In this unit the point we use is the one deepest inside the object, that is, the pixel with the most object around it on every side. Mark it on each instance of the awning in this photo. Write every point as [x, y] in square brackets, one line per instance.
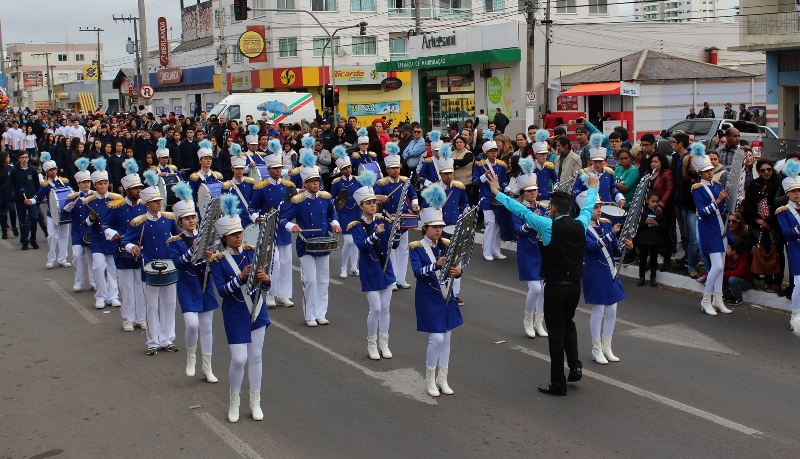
[87, 102]
[593, 89]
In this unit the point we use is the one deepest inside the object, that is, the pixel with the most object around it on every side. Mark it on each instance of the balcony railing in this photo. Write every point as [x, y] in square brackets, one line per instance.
[431, 13]
[770, 29]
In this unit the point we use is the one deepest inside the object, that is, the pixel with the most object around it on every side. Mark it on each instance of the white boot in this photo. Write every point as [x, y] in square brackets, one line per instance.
[794, 322]
[270, 301]
[191, 360]
[383, 345]
[719, 304]
[441, 381]
[255, 405]
[233, 408]
[430, 382]
[606, 343]
[706, 305]
[537, 325]
[372, 347]
[207, 369]
[527, 322]
[597, 352]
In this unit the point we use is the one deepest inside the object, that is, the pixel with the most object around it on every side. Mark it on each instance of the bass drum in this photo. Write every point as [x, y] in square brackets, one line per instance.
[250, 235]
[165, 185]
[206, 193]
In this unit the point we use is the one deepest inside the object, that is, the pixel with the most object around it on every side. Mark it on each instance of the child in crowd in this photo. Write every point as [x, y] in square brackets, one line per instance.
[650, 237]
[737, 277]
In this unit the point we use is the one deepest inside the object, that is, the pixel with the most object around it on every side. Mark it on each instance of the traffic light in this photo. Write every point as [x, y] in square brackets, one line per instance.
[240, 10]
[362, 28]
[335, 96]
[328, 95]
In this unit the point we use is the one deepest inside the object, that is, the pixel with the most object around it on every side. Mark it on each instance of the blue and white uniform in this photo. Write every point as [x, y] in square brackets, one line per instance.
[199, 178]
[103, 251]
[546, 177]
[607, 189]
[789, 221]
[117, 222]
[491, 234]
[244, 191]
[711, 229]
[57, 235]
[81, 251]
[268, 195]
[386, 186]
[235, 312]
[348, 214]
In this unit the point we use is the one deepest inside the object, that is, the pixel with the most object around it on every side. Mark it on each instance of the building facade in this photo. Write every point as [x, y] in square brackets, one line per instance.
[684, 10]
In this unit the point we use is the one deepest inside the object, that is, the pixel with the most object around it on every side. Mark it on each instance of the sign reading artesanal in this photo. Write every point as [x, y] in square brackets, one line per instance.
[163, 42]
[251, 44]
[438, 41]
[391, 83]
[169, 76]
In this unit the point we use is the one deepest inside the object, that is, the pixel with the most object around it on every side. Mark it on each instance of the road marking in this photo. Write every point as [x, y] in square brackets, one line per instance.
[653, 396]
[405, 381]
[6, 244]
[236, 443]
[681, 335]
[332, 281]
[72, 302]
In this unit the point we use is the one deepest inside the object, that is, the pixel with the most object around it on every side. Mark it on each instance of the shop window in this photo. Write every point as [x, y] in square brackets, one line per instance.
[494, 6]
[79, 76]
[362, 5]
[567, 6]
[319, 44]
[397, 48]
[598, 6]
[365, 46]
[259, 4]
[287, 47]
[323, 5]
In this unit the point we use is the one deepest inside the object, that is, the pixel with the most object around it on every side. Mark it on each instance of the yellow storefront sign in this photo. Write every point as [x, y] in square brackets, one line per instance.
[251, 44]
[90, 72]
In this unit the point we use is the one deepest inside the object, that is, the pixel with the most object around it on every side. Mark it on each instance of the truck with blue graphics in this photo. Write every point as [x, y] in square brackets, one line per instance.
[280, 107]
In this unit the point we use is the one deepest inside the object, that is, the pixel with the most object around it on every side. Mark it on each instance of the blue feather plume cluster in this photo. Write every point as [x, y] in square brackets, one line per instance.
[435, 196]
[596, 139]
[151, 177]
[362, 132]
[791, 168]
[82, 164]
[435, 136]
[274, 146]
[308, 159]
[229, 205]
[253, 129]
[542, 135]
[526, 165]
[488, 135]
[45, 157]
[131, 166]
[698, 150]
[235, 150]
[182, 191]
[162, 143]
[205, 144]
[308, 141]
[392, 148]
[99, 164]
[368, 178]
[445, 151]
[339, 151]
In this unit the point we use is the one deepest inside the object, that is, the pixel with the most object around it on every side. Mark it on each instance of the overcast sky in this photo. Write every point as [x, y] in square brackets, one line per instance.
[59, 20]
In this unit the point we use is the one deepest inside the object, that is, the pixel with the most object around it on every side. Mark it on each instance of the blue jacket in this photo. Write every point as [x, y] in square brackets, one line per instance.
[100, 206]
[246, 189]
[43, 195]
[351, 210]
[267, 196]
[529, 257]
[710, 217]
[191, 296]
[545, 178]
[235, 314]
[434, 314]
[79, 214]
[428, 171]
[195, 180]
[374, 248]
[413, 152]
[118, 220]
[317, 213]
[485, 194]
[607, 189]
[790, 227]
[357, 159]
[385, 186]
[153, 235]
[457, 201]
[599, 286]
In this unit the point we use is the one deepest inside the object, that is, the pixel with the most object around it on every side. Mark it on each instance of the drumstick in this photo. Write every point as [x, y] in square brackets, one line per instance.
[310, 229]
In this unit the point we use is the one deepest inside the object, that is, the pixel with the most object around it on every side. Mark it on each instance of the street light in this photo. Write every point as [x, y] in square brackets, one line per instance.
[363, 31]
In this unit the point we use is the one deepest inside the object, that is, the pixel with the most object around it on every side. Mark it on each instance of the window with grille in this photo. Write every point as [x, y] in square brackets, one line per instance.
[79, 57]
[287, 47]
[238, 57]
[397, 47]
[259, 4]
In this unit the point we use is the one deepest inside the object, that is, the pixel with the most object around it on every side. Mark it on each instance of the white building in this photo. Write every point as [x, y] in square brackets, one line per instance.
[684, 10]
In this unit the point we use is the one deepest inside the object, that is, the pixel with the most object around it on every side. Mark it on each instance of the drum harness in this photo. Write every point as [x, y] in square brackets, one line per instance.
[396, 221]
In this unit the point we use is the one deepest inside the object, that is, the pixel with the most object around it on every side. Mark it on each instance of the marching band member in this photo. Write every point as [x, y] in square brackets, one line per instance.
[529, 258]
[362, 155]
[388, 192]
[116, 224]
[103, 250]
[205, 174]
[268, 195]
[608, 191]
[789, 220]
[240, 185]
[197, 304]
[253, 155]
[56, 235]
[80, 249]
[350, 212]
[600, 290]
[436, 315]
[164, 168]
[313, 212]
[244, 329]
[546, 175]
[371, 235]
[429, 172]
[709, 198]
[491, 233]
[540, 140]
[147, 238]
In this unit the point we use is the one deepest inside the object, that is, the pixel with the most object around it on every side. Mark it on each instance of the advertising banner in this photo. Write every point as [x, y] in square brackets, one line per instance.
[498, 92]
[32, 79]
[378, 108]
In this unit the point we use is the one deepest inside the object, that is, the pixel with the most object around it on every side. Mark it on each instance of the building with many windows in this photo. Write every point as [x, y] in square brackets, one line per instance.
[684, 10]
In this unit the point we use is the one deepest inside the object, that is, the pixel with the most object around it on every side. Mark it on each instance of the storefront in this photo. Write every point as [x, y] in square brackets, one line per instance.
[183, 91]
[456, 74]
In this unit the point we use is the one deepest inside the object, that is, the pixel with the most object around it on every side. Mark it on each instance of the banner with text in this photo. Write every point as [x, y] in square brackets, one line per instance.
[498, 92]
[378, 108]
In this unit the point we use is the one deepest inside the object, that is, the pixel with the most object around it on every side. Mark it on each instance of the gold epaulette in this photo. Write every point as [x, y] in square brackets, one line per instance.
[115, 196]
[261, 184]
[336, 180]
[428, 160]
[353, 224]
[480, 163]
[609, 170]
[781, 209]
[458, 185]
[173, 239]
[373, 154]
[446, 242]
[501, 163]
[90, 199]
[73, 195]
[288, 183]
[382, 181]
[355, 155]
[217, 256]
[295, 171]
[696, 186]
[549, 165]
[227, 185]
[249, 180]
[298, 198]
[116, 203]
[216, 174]
[168, 215]
[324, 195]
[45, 183]
[604, 220]
[587, 170]
[64, 179]
[403, 178]
[414, 245]
[194, 177]
[139, 220]
[172, 167]
[248, 247]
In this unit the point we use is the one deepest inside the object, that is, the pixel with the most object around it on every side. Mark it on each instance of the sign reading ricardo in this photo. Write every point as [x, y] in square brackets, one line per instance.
[438, 42]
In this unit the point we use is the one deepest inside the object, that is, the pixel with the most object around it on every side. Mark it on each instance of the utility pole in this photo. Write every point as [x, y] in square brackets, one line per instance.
[48, 76]
[145, 76]
[530, 85]
[417, 19]
[16, 63]
[223, 53]
[137, 50]
[547, 23]
[99, 66]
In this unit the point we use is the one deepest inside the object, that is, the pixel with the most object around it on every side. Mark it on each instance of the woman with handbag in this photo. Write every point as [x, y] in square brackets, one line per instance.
[759, 211]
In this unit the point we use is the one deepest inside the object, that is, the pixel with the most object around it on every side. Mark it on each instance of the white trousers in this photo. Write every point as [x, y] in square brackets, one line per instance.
[57, 235]
[133, 310]
[438, 350]
[104, 267]
[796, 293]
[491, 235]
[534, 302]
[714, 279]
[600, 312]
[378, 317]
[349, 252]
[199, 323]
[79, 255]
[160, 315]
[249, 353]
[399, 257]
[281, 275]
[315, 276]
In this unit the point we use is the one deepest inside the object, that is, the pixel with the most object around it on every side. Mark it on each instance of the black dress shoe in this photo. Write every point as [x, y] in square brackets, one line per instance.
[575, 375]
[641, 282]
[24, 246]
[15, 231]
[34, 245]
[549, 389]
[653, 282]
[5, 235]
[667, 266]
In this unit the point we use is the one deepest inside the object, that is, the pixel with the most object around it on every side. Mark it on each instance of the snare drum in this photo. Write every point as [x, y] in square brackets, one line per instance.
[250, 234]
[160, 273]
[448, 231]
[206, 193]
[409, 221]
[321, 244]
[612, 212]
[370, 166]
[57, 201]
[259, 173]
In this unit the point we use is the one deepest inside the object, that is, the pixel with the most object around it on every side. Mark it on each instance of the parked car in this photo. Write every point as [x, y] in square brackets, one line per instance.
[762, 139]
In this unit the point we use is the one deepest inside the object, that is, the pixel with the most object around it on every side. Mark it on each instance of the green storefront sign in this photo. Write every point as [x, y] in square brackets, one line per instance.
[450, 60]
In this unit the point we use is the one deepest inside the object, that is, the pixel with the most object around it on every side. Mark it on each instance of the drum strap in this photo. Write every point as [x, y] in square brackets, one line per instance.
[793, 211]
[198, 267]
[719, 216]
[241, 196]
[426, 245]
[243, 288]
[604, 249]
[381, 257]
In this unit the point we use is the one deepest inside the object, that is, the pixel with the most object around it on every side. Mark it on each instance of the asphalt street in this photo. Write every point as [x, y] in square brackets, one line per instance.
[73, 384]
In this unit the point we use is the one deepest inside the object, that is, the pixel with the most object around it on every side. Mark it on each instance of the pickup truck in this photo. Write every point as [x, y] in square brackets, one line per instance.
[762, 139]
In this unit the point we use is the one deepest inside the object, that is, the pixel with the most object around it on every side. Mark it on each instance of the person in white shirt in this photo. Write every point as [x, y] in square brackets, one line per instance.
[63, 129]
[15, 136]
[28, 142]
[77, 131]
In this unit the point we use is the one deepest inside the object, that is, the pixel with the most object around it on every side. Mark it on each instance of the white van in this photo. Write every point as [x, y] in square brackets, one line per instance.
[280, 107]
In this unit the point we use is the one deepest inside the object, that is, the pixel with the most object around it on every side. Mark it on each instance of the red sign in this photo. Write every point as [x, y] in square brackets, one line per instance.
[169, 76]
[147, 91]
[32, 79]
[567, 103]
[163, 42]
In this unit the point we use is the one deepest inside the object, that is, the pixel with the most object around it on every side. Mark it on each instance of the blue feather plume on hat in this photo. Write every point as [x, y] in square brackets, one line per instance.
[229, 205]
[308, 159]
[45, 157]
[274, 146]
[791, 168]
[526, 165]
[151, 177]
[339, 151]
[362, 132]
[368, 178]
[596, 140]
[99, 164]
[445, 151]
[131, 166]
[205, 144]
[308, 141]
[435, 136]
[435, 196]
[235, 150]
[542, 135]
[182, 191]
[488, 135]
[253, 129]
[82, 164]
[162, 143]
[698, 150]
[392, 148]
